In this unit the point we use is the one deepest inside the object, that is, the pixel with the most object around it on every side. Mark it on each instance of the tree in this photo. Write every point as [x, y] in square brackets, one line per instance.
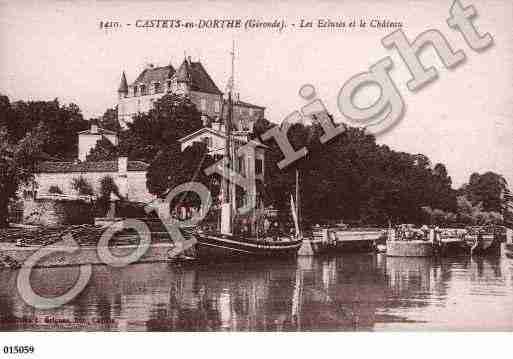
[82, 186]
[171, 118]
[109, 120]
[352, 178]
[108, 186]
[487, 189]
[61, 122]
[172, 167]
[103, 151]
[473, 214]
[17, 165]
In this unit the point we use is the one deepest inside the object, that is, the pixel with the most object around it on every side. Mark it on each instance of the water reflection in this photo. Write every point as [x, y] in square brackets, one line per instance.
[350, 292]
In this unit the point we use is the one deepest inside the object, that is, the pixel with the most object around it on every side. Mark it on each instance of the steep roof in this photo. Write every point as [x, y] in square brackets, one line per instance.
[195, 74]
[183, 74]
[97, 166]
[154, 74]
[123, 86]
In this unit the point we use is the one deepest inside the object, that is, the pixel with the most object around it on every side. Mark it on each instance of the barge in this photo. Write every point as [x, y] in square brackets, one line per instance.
[345, 240]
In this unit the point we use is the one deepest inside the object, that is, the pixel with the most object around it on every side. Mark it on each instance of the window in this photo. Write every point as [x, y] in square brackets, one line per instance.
[203, 104]
[143, 90]
[259, 166]
[241, 166]
[216, 106]
[135, 90]
[157, 87]
[169, 85]
[244, 124]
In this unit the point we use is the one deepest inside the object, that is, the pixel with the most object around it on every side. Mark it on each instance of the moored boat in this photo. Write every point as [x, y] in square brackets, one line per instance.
[357, 240]
[230, 239]
[212, 246]
[322, 241]
[482, 242]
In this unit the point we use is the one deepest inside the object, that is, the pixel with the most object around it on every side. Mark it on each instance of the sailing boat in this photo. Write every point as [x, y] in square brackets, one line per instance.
[227, 241]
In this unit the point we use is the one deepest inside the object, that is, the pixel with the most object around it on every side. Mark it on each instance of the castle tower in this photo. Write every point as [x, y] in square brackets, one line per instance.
[183, 76]
[123, 87]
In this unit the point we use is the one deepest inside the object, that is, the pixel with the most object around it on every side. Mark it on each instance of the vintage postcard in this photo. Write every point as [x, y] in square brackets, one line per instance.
[258, 166]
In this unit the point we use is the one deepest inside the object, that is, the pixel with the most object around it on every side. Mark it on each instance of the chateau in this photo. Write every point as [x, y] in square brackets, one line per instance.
[191, 79]
[51, 195]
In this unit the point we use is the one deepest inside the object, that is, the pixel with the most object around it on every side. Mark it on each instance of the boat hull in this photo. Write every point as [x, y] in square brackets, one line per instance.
[321, 247]
[412, 248]
[212, 247]
[484, 245]
[360, 241]
[336, 241]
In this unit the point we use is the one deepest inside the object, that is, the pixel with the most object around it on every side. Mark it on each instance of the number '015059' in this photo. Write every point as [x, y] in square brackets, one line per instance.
[18, 349]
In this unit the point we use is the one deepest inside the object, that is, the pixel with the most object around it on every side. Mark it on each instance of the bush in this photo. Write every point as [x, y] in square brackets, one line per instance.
[108, 186]
[83, 187]
[54, 190]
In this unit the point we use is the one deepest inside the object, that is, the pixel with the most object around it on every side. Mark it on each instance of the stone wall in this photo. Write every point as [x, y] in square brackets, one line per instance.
[137, 190]
[130, 106]
[157, 252]
[134, 180]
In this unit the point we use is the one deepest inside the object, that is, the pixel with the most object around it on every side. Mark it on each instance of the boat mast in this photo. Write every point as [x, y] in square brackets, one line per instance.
[298, 203]
[228, 127]
[226, 210]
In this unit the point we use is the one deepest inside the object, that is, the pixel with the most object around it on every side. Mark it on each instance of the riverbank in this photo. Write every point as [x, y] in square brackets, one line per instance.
[18, 243]
[13, 256]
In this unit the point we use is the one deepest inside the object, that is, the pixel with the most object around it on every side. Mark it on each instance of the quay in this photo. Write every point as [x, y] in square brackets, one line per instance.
[60, 255]
[324, 240]
[413, 248]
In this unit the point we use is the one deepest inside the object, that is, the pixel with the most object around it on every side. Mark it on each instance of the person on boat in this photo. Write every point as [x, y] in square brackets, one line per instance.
[425, 232]
[274, 230]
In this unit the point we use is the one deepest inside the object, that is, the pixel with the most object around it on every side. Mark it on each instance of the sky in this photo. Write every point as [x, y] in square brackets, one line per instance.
[463, 119]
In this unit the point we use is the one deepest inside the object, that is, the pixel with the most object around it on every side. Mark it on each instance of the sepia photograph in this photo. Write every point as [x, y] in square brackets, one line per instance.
[256, 166]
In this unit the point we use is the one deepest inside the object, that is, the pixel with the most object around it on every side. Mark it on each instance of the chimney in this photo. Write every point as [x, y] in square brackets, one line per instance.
[189, 59]
[122, 165]
[122, 180]
[94, 127]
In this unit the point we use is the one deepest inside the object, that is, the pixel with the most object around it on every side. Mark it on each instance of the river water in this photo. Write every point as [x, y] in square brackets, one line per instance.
[364, 292]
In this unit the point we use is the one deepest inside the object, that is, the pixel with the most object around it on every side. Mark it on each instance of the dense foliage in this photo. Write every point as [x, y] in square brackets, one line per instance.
[82, 186]
[103, 151]
[171, 118]
[487, 189]
[60, 122]
[353, 178]
[17, 164]
[173, 167]
[109, 120]
[350, 178]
